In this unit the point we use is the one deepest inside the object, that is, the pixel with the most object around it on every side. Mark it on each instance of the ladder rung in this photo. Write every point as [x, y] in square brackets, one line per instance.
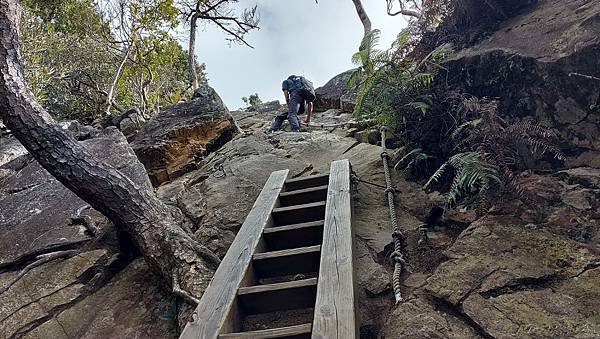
[278, 297]
[296, 332]
[299, 213]
[306, 182]
[287, 262]
[303, 196]
[296, 235]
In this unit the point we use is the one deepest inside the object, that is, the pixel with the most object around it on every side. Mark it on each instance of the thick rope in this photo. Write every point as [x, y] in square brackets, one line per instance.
[397, 234]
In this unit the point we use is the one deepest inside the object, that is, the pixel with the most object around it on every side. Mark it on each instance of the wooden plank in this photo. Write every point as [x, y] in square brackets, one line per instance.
[296, 332]
[287, 262]
[306, 182]
[293, 236]
[299, 213]
[213, 314]
[304, 196]
[284, 296]
[335, 306]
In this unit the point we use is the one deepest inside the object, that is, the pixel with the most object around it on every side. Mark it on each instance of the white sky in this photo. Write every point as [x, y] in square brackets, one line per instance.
[296, 37]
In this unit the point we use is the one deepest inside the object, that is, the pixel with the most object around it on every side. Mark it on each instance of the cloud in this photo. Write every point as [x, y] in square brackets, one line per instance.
[296, 37]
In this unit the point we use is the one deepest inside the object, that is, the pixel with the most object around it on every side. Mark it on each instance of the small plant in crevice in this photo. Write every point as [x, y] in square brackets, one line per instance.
[415, 163]
[488, 150]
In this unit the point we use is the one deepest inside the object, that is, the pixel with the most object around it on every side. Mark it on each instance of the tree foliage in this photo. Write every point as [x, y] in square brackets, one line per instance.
[252, 100]
[73, 48]
[382, 74]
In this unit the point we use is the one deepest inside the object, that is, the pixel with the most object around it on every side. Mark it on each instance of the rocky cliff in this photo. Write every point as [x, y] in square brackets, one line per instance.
[523, 269]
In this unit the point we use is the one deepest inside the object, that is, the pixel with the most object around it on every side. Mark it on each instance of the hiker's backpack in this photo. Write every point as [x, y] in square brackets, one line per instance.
[305, 87]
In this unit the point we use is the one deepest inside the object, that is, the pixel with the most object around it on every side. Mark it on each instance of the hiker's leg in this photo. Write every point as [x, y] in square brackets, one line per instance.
[293, 108]
[278, 121]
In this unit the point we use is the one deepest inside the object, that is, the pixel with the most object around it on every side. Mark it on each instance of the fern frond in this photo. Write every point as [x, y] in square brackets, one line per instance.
[435, 177]
[471, 124]
[403, 163]
[472, 174]
[355, 79]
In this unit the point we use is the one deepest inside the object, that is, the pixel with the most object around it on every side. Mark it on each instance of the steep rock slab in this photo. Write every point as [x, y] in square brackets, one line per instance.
[131, 305]
[509, 278]
[218, 197]
[335, 94]
[417, 318]
[36, 209]
[170, 144]
[543, 80]
[38, 295]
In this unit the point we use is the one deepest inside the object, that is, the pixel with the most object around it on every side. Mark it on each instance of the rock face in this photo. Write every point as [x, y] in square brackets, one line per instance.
[546, 79]
[218, 196]
[37, 206]
[528, 268]
[515, 280]
[72, 297]
[172, 142]
[335, 94]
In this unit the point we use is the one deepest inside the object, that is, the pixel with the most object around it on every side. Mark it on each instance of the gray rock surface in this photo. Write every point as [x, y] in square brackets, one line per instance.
[86, 294]
[36, 209]
[172, 142]
[10, 148]
[335, 94]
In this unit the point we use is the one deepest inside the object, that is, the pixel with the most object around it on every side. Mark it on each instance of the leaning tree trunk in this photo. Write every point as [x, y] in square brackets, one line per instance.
[362, 14]
[154, 227]
[191, 59]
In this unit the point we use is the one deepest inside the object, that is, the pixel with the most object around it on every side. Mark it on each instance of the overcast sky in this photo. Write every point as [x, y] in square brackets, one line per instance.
[296, 37]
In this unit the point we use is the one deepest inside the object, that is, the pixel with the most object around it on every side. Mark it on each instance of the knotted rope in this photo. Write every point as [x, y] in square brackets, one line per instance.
[397, 234]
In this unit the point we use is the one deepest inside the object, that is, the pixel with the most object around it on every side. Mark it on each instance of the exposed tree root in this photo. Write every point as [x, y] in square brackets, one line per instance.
[40, 260]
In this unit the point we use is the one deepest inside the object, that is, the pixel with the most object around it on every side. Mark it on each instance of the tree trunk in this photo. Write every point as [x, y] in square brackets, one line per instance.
[191, 56]
[153, 226]
[362, 14]
[113, 86]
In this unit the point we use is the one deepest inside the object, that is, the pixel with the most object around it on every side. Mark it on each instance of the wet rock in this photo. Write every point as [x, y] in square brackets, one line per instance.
[36, 209]
[335, 94]
[172, 142]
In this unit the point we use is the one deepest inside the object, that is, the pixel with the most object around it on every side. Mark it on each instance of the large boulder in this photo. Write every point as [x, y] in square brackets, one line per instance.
[92, 292]
[37, 210]
[335, 94]
[172, 142]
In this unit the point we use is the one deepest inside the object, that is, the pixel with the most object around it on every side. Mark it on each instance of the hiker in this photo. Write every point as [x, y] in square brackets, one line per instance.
[299, 95]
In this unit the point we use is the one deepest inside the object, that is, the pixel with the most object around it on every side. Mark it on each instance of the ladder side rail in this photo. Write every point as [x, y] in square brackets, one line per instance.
[216, 311]
[335, 308]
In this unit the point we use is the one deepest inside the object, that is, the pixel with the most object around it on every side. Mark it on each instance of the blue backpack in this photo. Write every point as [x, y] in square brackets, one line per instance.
[304, 86]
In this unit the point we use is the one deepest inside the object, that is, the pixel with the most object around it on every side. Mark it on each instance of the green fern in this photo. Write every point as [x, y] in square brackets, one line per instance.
[472, 175]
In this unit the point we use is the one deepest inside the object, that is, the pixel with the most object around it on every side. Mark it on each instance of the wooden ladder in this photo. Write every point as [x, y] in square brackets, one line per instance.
[289, 269]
